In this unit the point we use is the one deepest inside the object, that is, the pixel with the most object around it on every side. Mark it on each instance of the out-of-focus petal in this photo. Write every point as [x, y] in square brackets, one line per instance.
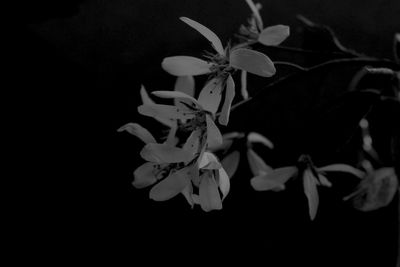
[176, 95]
[231, 162]
[229, 95]
[256, 14]
[223, 181]
[145, 175]
[207, 33]
[174, 184]
[274, 35]
[214, 137]
[192, 143]
[342, 168]
[256, 163]
[165, 112]
[185, 66]
[324, 181]
[208, 193]
[163, 153]
[310, 190]
[263, 183]
[210, 95]
[252, 61]
[254, 137]
[274, 179]
[185, 84]
[243, 86]
[138, 131]
[209, 161]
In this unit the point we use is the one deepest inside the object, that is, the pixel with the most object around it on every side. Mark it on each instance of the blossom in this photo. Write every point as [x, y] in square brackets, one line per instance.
[220, 65]
[311, 177]
[376, 189]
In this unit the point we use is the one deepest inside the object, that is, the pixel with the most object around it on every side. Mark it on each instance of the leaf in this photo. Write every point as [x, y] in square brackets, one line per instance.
[207, 33]
[274, 35]
[214, 137]
[210, 95]
[310, 190]
[252, 61]
[138, 131]
[164, 153]
[254, 137]
[209, 197]
[185, 66]
[342, 168]
[231, 162]
[174, 184]
[229, 95]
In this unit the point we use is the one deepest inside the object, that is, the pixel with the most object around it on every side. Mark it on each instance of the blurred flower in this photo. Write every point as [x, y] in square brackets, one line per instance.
[376, 189]
[312, 176]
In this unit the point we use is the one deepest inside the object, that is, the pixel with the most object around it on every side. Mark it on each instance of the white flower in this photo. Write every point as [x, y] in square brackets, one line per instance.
[311, 176]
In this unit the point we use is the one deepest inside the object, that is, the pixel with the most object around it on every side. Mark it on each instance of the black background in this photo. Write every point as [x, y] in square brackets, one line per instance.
[80, 69]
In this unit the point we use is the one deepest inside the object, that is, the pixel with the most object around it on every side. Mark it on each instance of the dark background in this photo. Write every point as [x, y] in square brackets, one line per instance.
[81, 64]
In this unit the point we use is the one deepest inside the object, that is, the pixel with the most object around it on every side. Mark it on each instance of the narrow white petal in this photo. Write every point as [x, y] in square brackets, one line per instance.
[176, 95]
[163, 153]
[174, 184]
[165, 112]
[256, 13]
[310, 190]
[324, 181]
[209, 161]
[274, 35]
[223, 181]
[208, 193]
[254, 137]
[214, 137]
[207, 33]
[145, 97]
[243, 86]
[231, 162]
[171, 138]
[138, 131]
[274, 179]
[185, 66]
[229, 95]
[187, 192]
[144, 175]
[185, 84]
[342, 168]
[210, 95]
[252, 61]
[256, 163]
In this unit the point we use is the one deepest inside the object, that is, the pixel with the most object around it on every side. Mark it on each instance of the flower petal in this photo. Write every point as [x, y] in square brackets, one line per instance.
[172, 140]
[193, 142]
[243, 86]
[176, 95]
[231, 162]
[207, 33]
[214, 137]
[256, 14]
[144, 175]
[274, 35]
[252, 61]
[148, 101]
[138, 131]
[324, 181]
[187, 192]
[256, 163]
[209, 161]
[163, 153]
[342, 168]
[185, 65]
[224, 183]
[208, 193]
[229, 95]
[165, 112]
[254, 137]
[310, 190]
[185, 84]
[174, 184]
[274, 179]
[210, 95]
